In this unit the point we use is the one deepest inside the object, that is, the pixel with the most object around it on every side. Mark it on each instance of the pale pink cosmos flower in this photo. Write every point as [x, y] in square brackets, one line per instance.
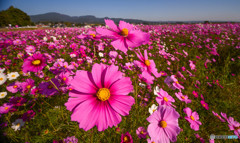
[192, 65]
[30, 49]
[164, 126]
[219, 117]
[124, 35]
[163, 98]
[182, 97]
[234, 126]
[192, 118]
[99, 97]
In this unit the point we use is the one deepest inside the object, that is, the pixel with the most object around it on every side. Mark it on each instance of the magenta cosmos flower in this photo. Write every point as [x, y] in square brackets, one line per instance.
[99, 97]
[164, 125]
[34, 63]
[146, 64]
[124, 35]
[141, 132]
[192, 118]
[126, 138]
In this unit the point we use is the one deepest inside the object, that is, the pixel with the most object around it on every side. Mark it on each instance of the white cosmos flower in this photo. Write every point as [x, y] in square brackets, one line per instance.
[142, 85]
[3, 78]
[17, 124]
[2, 70]
[152, 109]
[156, 90]
[12, 75]
[45, 38]
[3, 95]
[100, 54]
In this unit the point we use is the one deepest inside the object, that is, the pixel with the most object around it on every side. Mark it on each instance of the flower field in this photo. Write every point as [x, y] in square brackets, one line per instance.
[120, 83]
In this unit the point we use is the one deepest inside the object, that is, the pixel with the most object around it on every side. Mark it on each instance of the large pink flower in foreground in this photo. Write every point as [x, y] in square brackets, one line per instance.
[164, 126]
[100, 97]
[124, 35]
[34, 63]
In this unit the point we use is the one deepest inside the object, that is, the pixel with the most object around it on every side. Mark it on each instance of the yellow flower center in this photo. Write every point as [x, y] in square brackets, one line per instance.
[154, 110]
[13, 75]
[141, 132]
[165, 99]
[103, 94]
[6, 108]
[177, 82]
[126, 139]
[204, 105]
[18, 124]
[15, 86]
[192, 118]
[29, 86]
[124, 32]
[36, 62]
[1, 78]
[93, 35]
[64, 79]
[182, 97]
[2, 94]
[65, 66]
[163, 124]
[147, 63]
[30, 49]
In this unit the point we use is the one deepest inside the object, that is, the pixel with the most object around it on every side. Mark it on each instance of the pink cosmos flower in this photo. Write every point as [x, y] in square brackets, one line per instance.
[192, 118]
[30, 49]
[192, 65]
[146, 64]
[219, 117]
[234, 126]
[164, 126]
[146, 77]
[5, 108]
[163, 98]
[126, 138]
[182, 97]
[195, 94]
[204, 104]
[141, 132]
[124, 35]
[14, 87]
[99, 97]
[34, 63]
[27, 85]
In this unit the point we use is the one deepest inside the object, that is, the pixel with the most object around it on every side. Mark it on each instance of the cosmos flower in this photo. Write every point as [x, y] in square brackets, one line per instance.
[3, 78]
[141, 132]
[146, 64]
[14, 87]
[192, 65]
[126, 138]
[195, 94]
[34, 63]
[192, 118]
[99, 97]
[124, 35]
[204, 104]
[3, 95]
[49, 88]
[219, 117]
[182, 97]
[12, 75]
[163, 98]
[152, 109]
[17, 124]
[234, 126]
[5, 108]
[163, 126]
[27, 85]
[30, 49]
[72, 139]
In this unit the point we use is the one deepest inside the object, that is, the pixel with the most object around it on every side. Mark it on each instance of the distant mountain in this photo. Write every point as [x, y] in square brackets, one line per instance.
[57, 17]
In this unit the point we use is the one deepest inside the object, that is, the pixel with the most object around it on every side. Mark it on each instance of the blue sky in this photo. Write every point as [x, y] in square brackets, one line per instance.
[153, 10]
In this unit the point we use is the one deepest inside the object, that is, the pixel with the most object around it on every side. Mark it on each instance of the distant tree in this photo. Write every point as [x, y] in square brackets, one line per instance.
[14, 16]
